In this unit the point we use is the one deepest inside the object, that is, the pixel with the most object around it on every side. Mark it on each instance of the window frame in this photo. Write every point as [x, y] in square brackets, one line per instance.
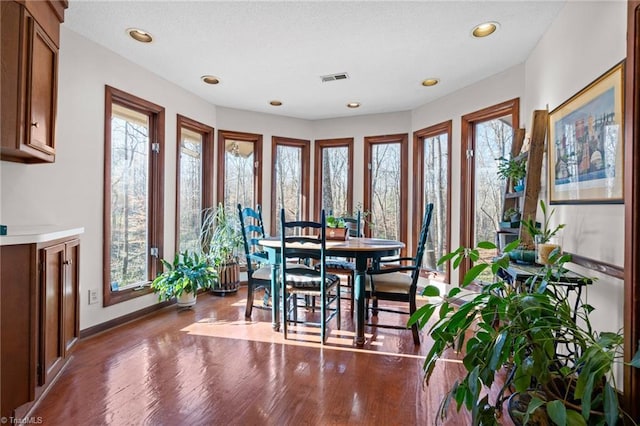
[156, 114]
[254, 138]
[319, 145]
[467, 167]
[418, 184]
[403, 140]
[207, 164]
[305, 167]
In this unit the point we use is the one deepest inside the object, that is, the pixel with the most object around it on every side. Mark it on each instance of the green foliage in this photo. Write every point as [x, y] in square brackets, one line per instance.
[514, 169]
[188, 273]
[335, 222]
[511, 211]
[545, 232]
[501, 328]
[221, 236]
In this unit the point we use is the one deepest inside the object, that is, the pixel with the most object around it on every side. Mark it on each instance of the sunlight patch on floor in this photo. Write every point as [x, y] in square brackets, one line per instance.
[339, 340]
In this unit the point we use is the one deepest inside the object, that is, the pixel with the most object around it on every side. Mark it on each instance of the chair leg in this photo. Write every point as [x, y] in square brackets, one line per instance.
[249, 308]
[414, 327]
[351, 281]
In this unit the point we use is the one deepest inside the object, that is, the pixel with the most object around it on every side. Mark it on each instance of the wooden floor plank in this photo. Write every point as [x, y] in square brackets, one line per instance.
[208, 366]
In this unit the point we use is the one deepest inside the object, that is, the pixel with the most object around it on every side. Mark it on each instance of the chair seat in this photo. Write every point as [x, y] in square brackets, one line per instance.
[301, 281]
[264, 273]
[340, 264]
[394, 282]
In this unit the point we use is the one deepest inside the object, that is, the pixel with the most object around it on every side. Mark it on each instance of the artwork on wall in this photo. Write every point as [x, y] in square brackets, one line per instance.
[585, 155]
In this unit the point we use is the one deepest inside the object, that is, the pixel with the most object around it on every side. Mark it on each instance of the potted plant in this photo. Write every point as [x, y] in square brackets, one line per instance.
[182, 279]
[546, 239]
[511, 218]
[221, 240]
[513, 334]
[336, 228]
[513, 169]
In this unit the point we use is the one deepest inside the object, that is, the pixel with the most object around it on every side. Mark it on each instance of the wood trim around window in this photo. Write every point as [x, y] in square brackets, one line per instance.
[321, 144]
[305, 174]
[223, 135]
[156, 116]
[418, 183]
[207, 133]
[467, 170]
[631, 324]
[403, 140]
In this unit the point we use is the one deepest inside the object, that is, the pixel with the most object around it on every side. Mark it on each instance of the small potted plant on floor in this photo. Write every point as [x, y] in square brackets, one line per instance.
[221, 240]
[182, 279]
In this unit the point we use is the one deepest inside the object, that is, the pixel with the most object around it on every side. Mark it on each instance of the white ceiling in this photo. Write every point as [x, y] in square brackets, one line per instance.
[264, 50]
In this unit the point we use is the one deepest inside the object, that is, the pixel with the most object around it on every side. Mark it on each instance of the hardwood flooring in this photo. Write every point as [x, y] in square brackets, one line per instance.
[208, 366]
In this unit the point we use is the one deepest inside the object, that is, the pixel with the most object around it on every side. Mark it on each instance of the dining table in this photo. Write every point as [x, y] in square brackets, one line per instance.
[362, 250]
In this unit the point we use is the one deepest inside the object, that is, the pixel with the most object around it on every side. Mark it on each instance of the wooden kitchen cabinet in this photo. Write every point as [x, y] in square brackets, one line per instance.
[29, 56]
[40, 317]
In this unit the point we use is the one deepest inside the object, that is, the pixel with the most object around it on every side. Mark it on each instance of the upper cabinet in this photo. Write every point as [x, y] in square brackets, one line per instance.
[29, 55]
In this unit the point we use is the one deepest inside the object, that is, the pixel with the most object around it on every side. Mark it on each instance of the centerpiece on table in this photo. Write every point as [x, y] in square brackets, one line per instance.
[337, 229]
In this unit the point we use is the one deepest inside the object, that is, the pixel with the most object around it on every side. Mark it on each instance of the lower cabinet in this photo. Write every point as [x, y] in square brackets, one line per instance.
[40, 318]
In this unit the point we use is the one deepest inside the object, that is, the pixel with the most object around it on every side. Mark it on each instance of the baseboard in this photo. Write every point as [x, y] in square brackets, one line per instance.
[91, 331]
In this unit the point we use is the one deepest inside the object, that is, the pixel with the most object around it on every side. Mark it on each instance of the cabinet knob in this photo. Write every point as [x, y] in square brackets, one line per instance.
[67, 262]
[35, 124]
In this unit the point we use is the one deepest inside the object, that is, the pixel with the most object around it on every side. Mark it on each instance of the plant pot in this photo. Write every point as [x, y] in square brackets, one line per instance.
[228, 279]
[186, 300]
[517, 406]
[341, 234]
[544, 250]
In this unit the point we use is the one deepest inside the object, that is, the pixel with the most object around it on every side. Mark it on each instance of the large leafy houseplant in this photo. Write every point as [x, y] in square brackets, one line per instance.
[221, 240]
[514, 333]
[188, 273]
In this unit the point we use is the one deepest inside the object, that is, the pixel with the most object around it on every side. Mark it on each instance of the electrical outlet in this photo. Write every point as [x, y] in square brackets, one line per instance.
[93, 297]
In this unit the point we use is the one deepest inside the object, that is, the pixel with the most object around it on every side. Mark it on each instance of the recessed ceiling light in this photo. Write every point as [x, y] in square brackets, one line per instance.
[484, 29]
[353, 104]
[275, 103]
[140, 35]
[210, 79]
[430, 82]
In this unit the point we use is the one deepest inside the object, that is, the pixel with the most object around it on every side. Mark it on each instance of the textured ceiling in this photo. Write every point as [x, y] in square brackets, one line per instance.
[264, 50]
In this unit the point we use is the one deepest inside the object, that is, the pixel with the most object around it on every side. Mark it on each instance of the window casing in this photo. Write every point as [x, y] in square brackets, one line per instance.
[289, 179]
[333, 183]
[386, 186]
[486, 135]
[432, 184]
[194, 180]
[133, 197]
[239, 169]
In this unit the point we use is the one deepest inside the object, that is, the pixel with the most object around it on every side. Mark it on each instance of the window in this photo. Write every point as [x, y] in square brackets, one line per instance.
[290, 180]
[194, 182]
[334, 176]
[133, 216]
[486, 136]
[385, 195]
[239, 169]
[432, 184]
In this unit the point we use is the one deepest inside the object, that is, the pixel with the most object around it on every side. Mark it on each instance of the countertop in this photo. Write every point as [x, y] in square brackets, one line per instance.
[36, 234]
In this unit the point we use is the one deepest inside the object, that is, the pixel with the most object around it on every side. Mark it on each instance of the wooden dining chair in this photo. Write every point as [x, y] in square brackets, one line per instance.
[298, 279]
[343, 266]
[258, 270]
[395, 281]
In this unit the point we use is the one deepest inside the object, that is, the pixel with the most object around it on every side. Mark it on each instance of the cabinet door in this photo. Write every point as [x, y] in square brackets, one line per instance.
[51, 313]
[42, 89]
[71, 308]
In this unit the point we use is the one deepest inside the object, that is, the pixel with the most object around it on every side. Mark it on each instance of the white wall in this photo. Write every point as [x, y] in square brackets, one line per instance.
[585, 40]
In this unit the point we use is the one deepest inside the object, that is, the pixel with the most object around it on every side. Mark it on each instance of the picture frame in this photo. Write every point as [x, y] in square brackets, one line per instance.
[585, 144]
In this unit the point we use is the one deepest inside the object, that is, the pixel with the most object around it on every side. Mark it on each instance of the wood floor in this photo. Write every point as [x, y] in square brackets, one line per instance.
[208, 366]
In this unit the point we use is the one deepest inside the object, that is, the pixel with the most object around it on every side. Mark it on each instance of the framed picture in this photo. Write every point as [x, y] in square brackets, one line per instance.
[585, 155]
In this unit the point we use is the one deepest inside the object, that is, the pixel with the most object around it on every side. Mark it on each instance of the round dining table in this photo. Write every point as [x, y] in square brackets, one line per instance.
[360, 249]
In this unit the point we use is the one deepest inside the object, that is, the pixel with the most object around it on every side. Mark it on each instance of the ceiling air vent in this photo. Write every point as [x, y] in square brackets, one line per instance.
[334, 77]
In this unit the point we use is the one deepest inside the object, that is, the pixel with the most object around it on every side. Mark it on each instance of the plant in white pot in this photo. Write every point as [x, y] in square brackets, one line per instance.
[221, 240]
[182, 279]
[546, 239]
